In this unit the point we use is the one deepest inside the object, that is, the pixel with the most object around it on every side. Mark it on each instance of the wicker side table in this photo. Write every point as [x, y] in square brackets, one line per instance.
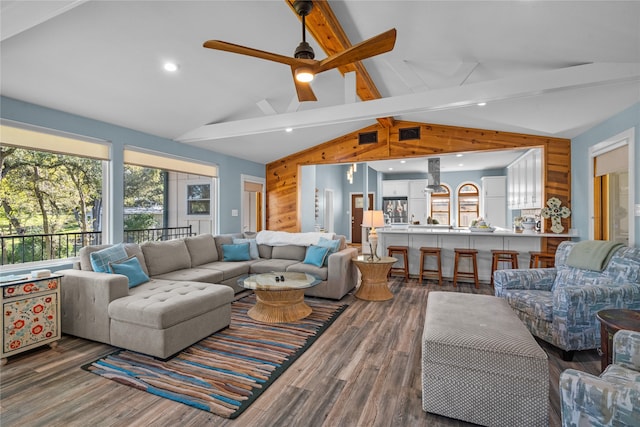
[374, 285]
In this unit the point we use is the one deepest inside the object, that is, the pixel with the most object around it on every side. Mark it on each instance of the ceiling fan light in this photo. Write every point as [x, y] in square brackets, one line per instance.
[304, 75]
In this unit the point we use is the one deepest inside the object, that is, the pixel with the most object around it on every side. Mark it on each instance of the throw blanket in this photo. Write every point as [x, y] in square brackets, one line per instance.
[283, 238]
[592, 254]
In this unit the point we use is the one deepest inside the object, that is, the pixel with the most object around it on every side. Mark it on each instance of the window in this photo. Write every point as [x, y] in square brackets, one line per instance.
[191, 189]
[51, 195]
[441, 205]
[199, 199]
[144, 198]
[468, 204]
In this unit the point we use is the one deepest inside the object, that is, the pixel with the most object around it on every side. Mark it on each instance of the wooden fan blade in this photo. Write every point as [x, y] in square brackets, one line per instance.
[303, 89]
[371, 47]
[242, 50]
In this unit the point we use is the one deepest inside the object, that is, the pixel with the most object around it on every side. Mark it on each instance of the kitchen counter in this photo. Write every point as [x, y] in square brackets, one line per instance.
[447, 238]
[429, 229]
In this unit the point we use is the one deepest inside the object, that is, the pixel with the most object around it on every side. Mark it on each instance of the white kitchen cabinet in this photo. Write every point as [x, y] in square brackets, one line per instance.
[524, 181]
[418, 210]
[538, 179]
[395, 188]
[494, 186]
[494, 200]
[417, 200]
[416, 188]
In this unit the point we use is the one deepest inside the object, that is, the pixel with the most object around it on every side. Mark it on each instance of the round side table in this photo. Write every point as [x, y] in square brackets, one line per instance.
[611, 321]
[374, 285]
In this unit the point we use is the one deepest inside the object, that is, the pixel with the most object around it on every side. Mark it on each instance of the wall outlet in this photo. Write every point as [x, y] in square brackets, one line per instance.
[234, 212]
[637, 209]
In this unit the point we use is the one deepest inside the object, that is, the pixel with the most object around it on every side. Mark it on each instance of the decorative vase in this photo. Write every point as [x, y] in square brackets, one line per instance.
[529, 226]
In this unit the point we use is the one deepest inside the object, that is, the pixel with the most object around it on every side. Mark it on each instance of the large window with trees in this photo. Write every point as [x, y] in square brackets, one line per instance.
[54, 198]
[468, 204]
[50, 204]
[144, 197]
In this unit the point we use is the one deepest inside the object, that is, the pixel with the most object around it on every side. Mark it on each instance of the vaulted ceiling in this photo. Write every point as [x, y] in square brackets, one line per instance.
[553, 68]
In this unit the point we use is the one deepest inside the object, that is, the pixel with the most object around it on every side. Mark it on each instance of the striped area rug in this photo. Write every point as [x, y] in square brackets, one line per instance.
[225, 372]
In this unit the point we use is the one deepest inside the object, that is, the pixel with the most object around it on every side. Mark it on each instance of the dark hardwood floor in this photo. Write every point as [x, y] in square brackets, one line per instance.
[363, 371]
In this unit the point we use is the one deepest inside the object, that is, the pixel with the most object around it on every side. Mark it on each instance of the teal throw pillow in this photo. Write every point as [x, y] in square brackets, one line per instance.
[132, 269]
[253, 247]
[236, 252]
[100, 259]
[332, 244]
[316, 255]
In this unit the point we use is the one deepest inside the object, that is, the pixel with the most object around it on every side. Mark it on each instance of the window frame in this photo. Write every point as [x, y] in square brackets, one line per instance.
[440, 196]
[189, 184]
[461, 196]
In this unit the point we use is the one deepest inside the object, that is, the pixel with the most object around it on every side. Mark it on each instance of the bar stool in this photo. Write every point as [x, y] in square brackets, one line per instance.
[404, 251]
[538, 258]
[503, 256]
[428, 251]
[465, 253]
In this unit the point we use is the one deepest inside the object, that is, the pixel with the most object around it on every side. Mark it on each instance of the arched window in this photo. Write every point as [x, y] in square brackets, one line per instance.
[468, 204]
[441, 205]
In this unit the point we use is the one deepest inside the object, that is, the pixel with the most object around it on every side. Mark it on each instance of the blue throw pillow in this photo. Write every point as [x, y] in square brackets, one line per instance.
[316, 255]
[253, 247]
[332, 244]
[236, 252]
[100, 259]
[132, 269]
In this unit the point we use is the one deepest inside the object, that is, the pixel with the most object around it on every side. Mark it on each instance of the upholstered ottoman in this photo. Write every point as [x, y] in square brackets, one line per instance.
[480, 364]
[163, 317]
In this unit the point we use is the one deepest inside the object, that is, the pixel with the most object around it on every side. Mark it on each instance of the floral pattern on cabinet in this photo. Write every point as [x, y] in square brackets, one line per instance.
[31, 314]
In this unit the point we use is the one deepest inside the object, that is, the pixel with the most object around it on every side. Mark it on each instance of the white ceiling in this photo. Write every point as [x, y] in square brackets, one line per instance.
[553, 68]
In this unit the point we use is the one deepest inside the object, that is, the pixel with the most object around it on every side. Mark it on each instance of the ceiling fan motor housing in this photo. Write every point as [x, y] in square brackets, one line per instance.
[303, 7]
[304, 51]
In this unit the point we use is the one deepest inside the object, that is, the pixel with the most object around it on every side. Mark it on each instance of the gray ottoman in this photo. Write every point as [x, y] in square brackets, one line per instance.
[163, 317]
[480, 364]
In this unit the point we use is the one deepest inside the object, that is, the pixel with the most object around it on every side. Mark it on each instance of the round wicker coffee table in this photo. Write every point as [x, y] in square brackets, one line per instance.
[277, 300]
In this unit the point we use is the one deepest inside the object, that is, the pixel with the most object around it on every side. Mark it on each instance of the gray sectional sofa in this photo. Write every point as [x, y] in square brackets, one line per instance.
[189, 294]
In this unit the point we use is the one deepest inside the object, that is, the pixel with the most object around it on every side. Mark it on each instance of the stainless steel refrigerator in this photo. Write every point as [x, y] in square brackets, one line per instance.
[395, 210]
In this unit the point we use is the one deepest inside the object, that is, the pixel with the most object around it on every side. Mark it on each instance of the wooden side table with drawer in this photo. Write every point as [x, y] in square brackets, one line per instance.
[611, 321]
[30, 314]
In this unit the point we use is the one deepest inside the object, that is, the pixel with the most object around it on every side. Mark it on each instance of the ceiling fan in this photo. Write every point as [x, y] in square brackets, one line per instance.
[303, 65]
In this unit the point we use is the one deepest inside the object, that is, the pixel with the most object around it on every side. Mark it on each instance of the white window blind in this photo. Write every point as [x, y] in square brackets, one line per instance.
[252, 187]
[157, 161]
[54, 143]
[612, 161]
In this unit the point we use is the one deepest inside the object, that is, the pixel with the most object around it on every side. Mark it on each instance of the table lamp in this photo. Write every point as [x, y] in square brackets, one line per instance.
[371, 220]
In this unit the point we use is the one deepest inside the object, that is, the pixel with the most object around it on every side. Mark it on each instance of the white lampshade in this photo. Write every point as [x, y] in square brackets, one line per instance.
[372, 219]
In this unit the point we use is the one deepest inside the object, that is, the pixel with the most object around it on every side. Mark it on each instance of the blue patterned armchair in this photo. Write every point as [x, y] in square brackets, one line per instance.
[613, 398]
[559, 304]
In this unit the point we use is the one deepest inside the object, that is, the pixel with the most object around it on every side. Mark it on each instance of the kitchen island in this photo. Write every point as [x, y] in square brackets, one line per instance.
[448, 238]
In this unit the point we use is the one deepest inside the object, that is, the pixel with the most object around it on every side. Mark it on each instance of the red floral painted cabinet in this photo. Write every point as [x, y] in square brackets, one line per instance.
[31, 314]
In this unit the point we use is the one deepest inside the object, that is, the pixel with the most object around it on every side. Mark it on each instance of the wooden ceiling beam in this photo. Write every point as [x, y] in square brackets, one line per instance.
[327, 31]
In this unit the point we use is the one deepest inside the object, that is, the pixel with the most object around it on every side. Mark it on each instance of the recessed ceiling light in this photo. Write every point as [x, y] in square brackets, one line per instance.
[170, 66]
[460, 164]
[481, 104]
[459, 155]
[403, 161]
[390, 169]
[288, 130]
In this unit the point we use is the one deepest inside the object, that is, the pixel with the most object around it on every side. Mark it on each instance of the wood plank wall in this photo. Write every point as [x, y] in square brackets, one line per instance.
[282, 176]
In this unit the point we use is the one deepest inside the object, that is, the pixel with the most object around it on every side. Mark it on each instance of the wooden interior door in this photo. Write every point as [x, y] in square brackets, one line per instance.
[357, 212]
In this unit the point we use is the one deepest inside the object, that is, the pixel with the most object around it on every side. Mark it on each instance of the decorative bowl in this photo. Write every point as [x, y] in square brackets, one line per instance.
[482, 229]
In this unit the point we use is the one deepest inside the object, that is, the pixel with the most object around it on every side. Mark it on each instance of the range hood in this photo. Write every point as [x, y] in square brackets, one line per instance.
[433, 176]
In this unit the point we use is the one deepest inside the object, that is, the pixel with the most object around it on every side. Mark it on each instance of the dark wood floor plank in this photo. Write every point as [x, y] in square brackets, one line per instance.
[365, 370]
